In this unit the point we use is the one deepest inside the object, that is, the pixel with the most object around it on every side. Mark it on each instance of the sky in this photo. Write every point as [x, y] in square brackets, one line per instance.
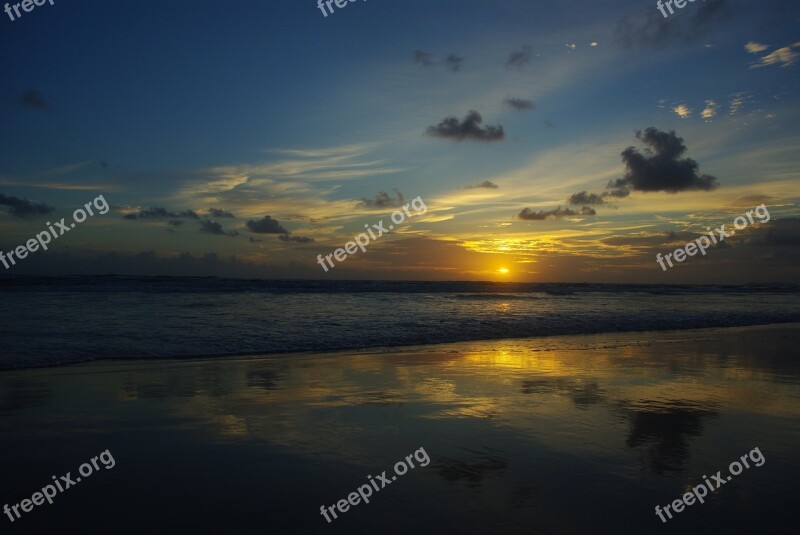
[567, 141]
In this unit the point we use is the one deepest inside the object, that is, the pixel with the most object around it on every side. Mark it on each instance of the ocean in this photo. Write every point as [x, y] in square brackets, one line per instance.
[56, 321]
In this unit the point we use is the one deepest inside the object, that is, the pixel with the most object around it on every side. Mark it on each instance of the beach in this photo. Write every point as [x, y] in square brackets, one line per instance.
[562, 434]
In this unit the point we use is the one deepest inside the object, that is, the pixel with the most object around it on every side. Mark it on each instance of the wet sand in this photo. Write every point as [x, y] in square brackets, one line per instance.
[574, 434]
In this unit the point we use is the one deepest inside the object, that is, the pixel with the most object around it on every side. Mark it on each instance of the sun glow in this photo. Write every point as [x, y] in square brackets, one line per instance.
[504, 271]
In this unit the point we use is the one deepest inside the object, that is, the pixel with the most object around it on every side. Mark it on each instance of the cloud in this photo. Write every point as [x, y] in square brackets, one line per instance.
[469, 128]
[382, 200]
[266, 225]
[451, 62]
[175, 222]
[660, 168]
[254, 240]
[296, 239]
[683, 111]
[160, 213]
[519, 58]
[549, 124]
[652, 30]
[24, 208]
[529, 215]
[710, 110]
[218, 212]
[210, 226]
[585, 197]
[423, 58]
[485, 184]
[783, 56]
[454, 62]
[31, 98]
[755, 48]
[519, 103]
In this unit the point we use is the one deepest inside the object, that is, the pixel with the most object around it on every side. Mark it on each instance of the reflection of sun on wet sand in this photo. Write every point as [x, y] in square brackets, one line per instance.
[520, 432]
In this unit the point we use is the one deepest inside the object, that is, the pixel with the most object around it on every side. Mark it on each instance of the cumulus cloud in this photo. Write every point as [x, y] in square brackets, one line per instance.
[485, 184]
[755, 48]
[218, 212]
[423, 58]
[382, 200]
[210, 226]
[683, 111]
[31, 98]
[529, 215]
[160, 213]
[519, 103]
[710, 110]
[585, 197]
[453, 62]
[296, 239]
[783, 56]
[266, 225]
[661, 167]
[24, 208]
[519, 58]
[469, 128]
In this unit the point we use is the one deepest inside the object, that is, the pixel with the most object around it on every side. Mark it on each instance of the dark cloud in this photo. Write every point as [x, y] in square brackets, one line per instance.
[218, 212]
[519, 103]
[660, 168]
[454, 62]
[519, 58]
[31, 98]
[23, 207]
[485, 184]
[103, 164]
[254, 240]
[382, 200]
[584, 197]
[296, 239]
[779, 233]
[210, 226]
[423, 58]
[529, 215]
[266, 225]
[469, 128]
[549, 124]
[652, 30]
[160, 213]
[175, 222]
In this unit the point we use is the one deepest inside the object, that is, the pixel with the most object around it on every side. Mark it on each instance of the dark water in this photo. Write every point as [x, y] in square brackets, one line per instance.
[582, 435]
[57, 321]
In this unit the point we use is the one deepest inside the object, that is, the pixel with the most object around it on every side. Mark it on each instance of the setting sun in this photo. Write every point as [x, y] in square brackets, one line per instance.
[503, 270]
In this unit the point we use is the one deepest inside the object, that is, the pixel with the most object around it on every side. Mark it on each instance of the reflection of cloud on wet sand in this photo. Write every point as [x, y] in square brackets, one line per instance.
[662, 432]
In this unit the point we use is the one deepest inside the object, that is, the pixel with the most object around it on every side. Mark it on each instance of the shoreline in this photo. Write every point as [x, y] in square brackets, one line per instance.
[401, 349]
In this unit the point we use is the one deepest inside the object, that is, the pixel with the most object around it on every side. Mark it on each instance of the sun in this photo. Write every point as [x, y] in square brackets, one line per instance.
[504, 271]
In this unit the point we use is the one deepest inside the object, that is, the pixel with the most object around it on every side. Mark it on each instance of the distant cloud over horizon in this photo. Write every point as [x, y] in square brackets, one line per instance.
[519, 103]
[529, 215]
[24, 208]
[485, 184]
[160, 213]
[470, 129]
[266, 225]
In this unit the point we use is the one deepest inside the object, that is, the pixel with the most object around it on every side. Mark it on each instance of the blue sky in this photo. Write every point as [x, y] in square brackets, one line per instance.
[269, 108]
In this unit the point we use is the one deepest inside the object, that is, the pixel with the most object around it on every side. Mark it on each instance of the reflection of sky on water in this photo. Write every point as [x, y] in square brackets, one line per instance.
[513, 428]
